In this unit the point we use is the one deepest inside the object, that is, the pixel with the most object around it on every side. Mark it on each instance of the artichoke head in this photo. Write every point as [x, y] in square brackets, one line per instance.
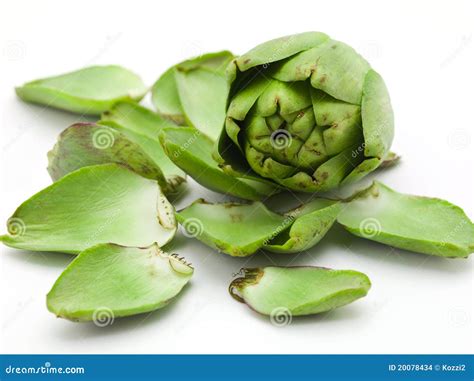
[306, 112]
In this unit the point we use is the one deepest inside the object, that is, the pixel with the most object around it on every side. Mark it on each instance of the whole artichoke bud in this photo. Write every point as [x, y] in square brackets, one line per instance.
[306, 112]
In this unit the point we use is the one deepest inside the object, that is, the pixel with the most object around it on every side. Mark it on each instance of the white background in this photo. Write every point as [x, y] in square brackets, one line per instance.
[424, 51]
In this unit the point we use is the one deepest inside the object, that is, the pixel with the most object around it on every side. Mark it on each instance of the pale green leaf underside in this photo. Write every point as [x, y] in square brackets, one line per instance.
[299, 290]
[95, 204]
[108, 281]
[420, 224]
[91, 90]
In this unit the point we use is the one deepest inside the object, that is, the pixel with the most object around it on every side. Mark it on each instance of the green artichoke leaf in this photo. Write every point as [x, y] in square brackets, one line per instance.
[91, 90]
[142, 126]
[105, 203]
[191, 150]
[311, 223]
[235, 229]
[194, 92]
[305, 112]
[283, 292]
[108, 281]
[243, 229]
[414, 223]
[279, 48]
[165, 97]
[85, 144]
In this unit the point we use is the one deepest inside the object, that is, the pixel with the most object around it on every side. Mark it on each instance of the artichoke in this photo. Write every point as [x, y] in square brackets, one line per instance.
[305, 112]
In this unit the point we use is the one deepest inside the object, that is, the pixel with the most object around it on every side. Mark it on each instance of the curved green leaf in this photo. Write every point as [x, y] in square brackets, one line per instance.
[85, 144]
[283, 292]
[420, 224]
[191, 151]
[95, 204]
[194, 92]
[235, 229]
[87, 91]
[109, 281]
[311, 223]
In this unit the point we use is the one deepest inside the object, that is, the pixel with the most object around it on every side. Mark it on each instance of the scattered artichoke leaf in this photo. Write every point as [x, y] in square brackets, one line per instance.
[135, 118]
[105, 203]
[142, 126]
[283, 292]
[86, 144]
[108, 281]
[414, 223]
[235, 229]
[91, 90]
[191, 151]
[194, 92]
[311, 223]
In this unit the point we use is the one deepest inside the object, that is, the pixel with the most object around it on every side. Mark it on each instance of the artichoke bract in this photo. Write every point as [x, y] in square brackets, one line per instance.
[307, 112]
